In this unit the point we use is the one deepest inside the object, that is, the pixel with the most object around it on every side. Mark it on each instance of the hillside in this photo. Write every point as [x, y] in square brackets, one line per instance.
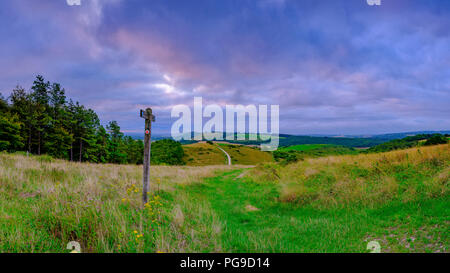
[366, 179]
[326, 204]
[409, 142]
[289, 140]
[295, 153]
[202, 154]
[246, 155]
[407, 134]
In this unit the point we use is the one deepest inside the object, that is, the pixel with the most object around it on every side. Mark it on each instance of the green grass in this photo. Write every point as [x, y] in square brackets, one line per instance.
[305, 147]
[327, 204]
[283, 227]
[46, 203]
[286, 155]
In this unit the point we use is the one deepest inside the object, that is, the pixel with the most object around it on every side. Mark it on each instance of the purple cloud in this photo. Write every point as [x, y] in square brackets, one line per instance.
[332, 66]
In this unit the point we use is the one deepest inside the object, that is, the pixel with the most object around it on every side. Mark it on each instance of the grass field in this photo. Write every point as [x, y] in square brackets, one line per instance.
[203, 154]
[328, 204]
[303, 151]
[305, 147]
[245, 155]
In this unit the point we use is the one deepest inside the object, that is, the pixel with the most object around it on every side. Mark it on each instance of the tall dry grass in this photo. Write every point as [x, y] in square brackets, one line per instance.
[45, 203]
[367, 179]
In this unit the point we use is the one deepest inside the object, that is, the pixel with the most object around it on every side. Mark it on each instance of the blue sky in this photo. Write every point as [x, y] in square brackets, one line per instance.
[333, 66]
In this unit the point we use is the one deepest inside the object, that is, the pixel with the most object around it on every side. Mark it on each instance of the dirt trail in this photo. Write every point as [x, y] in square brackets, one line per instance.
[228, 156]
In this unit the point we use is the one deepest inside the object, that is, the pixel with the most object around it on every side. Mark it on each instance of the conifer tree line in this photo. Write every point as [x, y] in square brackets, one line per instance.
[43, 121]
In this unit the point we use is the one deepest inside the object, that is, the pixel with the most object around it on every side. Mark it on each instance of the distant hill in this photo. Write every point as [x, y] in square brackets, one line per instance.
[406, 134]
[388, 136]
[354, 141]
[202, 154]
[408, 142]
[289, 140]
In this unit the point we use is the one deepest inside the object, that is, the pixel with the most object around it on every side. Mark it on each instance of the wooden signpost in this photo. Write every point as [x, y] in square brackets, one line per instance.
[149, 118]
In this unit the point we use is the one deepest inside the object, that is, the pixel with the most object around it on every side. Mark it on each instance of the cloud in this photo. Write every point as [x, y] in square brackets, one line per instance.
[332, 66]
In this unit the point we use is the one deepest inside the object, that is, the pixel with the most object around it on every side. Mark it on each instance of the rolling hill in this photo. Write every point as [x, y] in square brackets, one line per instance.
[202, 154]
[246, 155]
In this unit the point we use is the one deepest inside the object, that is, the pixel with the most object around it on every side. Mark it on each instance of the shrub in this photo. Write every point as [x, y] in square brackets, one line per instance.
[167, 152]
[285, 157]
[435, 140]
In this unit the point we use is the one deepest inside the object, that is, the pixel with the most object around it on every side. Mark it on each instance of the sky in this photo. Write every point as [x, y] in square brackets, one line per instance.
[333, 66]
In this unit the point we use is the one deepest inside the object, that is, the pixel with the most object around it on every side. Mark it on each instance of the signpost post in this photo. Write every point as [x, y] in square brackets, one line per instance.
[149, 118]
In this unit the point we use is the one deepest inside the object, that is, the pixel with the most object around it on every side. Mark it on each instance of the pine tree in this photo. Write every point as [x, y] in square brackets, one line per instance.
[23, 107]
[71, 124]
[40, 98]
[3, 104]
[58, 138]
[91, 123]
[134, 149]
[10, 139]
[85, 124]
[115, 148]
[102, 141]
[42, 121]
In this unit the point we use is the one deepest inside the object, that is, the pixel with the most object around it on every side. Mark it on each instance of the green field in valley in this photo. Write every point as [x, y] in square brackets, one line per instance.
[305, 147]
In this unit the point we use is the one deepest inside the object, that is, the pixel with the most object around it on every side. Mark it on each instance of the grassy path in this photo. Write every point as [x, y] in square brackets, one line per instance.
[46, 203]
[253, 220]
